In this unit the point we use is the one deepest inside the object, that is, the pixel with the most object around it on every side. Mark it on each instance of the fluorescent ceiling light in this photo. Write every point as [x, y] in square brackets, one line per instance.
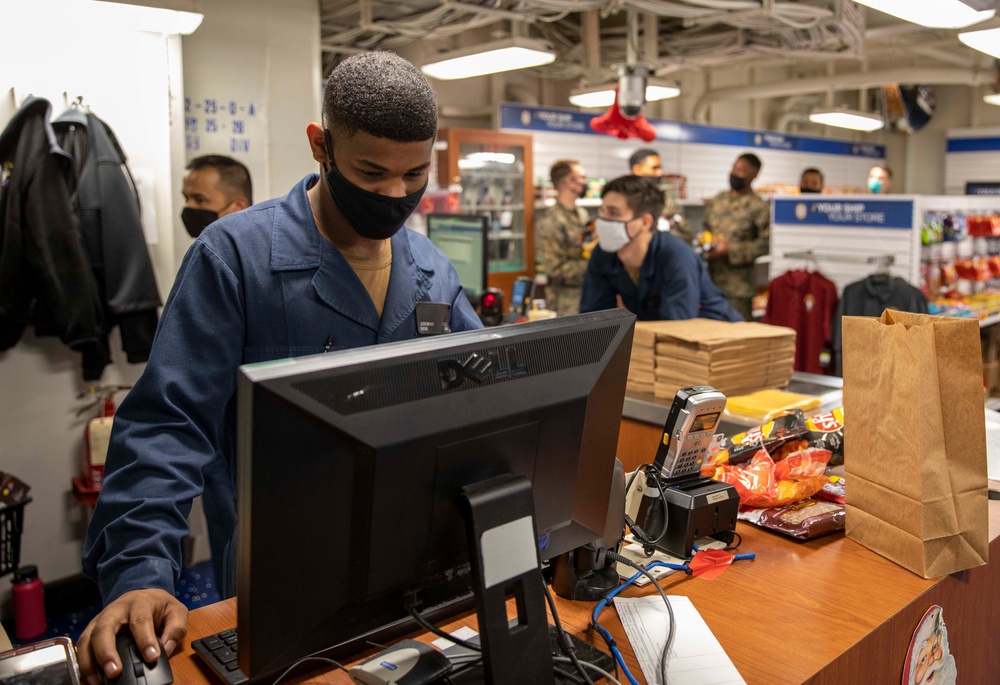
[490, 58]
[936, 14]
[107, 16]
[842, 117]
[992, 98]
[604, 96]
[152, 19]
[987, 41]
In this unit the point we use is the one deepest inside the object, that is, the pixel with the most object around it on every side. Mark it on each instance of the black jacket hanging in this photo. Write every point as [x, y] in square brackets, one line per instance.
[870, 297]
[113, 235]
[45, 274]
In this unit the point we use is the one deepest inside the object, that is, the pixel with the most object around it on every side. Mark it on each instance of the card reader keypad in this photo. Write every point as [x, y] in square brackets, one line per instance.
[690, 460]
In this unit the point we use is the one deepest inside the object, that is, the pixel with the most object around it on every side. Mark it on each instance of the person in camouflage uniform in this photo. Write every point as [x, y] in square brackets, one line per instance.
[646, 162]
[740, 223]
[562, 236]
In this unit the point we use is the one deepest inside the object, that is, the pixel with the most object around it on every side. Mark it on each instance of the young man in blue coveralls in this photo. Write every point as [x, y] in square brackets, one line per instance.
[327, 267]
[656, 274]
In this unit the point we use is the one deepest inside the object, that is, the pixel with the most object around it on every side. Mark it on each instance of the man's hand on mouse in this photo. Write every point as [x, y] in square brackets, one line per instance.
[144, 612]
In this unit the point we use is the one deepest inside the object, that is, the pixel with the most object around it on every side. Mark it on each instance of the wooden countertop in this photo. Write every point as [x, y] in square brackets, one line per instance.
[783, 618]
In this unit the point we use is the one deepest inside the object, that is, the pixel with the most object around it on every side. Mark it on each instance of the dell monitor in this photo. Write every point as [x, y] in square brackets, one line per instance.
[354, 467]
[462, 238]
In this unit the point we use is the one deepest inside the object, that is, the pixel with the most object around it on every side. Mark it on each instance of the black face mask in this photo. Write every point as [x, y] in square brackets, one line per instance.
[803, 191]
[197, 220]
[736, 182]
[371, 215]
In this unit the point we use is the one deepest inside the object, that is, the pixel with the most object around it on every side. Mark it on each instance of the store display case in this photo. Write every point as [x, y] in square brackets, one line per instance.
[489, 172]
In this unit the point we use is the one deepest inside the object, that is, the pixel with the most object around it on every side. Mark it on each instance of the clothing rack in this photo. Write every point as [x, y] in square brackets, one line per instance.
[883, 260]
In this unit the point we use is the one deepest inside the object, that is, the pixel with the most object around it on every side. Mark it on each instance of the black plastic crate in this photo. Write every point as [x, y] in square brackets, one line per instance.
[11, 527]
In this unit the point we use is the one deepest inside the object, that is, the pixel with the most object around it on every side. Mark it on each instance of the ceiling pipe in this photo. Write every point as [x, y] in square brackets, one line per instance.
[521, 94]
[945, 56]
[650, 38]
[785, 121]
[632, 38]
[591, 30]
[852, 81]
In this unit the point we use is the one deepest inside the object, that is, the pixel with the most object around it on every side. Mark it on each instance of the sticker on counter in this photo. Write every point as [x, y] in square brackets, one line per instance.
[929, 661]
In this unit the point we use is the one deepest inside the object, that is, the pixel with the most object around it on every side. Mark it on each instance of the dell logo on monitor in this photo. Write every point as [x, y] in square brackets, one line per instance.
[500, 364]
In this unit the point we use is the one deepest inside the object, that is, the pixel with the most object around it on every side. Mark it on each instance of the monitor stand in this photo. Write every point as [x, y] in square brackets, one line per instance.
[503, 555]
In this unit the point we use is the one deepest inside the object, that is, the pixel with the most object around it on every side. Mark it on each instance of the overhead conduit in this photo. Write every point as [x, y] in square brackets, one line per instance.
[838, 82]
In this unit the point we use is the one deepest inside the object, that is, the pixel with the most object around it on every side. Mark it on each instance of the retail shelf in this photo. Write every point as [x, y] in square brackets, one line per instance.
[989, 321]
[505, 235]
[493, 208]
[480, 173]
[584, 202]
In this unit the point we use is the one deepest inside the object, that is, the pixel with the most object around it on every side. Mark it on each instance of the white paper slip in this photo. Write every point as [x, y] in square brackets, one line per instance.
[696, 657]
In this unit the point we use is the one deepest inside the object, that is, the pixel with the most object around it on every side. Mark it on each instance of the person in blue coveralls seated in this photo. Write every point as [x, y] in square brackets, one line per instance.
[657, 275]
[327, 267]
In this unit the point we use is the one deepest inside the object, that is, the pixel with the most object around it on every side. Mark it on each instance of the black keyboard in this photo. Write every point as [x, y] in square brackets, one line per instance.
[219, 652]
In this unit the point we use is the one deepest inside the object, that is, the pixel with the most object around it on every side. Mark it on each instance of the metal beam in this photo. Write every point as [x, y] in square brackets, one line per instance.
[838, 82]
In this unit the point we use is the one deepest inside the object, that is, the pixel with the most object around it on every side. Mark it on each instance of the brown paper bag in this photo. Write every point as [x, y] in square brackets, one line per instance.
[915, 441]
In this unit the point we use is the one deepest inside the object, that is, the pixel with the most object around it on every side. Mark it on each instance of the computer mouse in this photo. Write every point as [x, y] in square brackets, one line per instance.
[135, 670]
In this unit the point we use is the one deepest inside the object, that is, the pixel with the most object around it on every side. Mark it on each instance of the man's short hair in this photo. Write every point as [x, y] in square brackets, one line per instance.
[642, 194]
[560, 170]
[751, 159]
[813, 170]
[233, 174]
[640, 156]
[886, 169]
[383, 95]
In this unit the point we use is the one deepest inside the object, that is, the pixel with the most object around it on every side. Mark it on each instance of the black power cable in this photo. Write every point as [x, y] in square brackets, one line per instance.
[565, 643]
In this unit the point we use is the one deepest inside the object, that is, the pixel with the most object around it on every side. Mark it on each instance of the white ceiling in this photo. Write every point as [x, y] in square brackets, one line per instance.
[691, 34]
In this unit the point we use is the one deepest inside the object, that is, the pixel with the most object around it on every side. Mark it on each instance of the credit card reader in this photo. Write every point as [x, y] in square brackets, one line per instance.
[678, 504]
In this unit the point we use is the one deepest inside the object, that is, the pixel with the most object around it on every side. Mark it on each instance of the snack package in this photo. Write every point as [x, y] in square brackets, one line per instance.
[833, 491]
[772, 435]
[826, 431]
[806, 463]
[805, 520]
[762, 483]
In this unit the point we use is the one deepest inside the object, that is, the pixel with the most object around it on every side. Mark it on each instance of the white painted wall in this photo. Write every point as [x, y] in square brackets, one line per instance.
[248, 49]
[41, 439]
[926, 149]
[971, 166]
[260, 53]
[705, 166]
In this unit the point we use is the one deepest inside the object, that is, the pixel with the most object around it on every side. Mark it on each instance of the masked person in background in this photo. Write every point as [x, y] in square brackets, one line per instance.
[563, 235]
[656, 275]
[646, 162]
[738, 231]
[879, 179]
[329, 266]
[214, 186]
[811, 181]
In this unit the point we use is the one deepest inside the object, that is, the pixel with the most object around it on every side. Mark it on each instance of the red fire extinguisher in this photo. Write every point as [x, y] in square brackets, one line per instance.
[97, 433]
